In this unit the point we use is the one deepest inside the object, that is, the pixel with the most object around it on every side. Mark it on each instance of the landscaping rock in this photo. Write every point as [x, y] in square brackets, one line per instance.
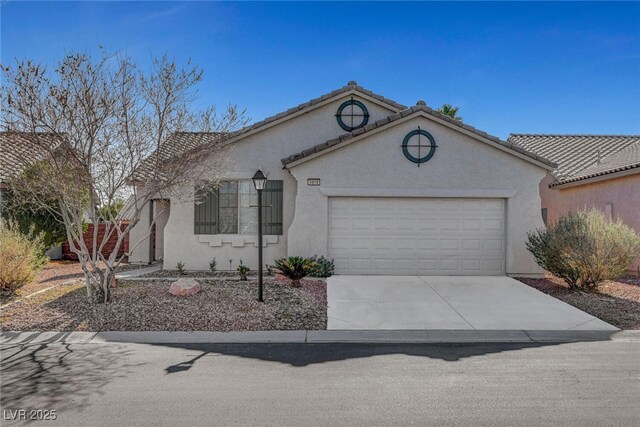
[185, 288]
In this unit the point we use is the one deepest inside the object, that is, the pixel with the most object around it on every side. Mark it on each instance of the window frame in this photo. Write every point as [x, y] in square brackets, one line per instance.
[199, 225]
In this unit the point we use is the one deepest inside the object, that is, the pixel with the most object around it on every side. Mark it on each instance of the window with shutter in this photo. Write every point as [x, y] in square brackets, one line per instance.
[231, 209]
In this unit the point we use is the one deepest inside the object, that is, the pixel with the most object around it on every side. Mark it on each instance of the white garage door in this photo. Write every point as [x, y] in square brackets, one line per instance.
[410, 236]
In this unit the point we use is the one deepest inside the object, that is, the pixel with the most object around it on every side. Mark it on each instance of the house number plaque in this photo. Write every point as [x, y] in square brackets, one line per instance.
[313, 181]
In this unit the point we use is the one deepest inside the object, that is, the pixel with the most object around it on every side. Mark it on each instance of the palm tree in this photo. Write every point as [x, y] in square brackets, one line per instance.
[449, 110]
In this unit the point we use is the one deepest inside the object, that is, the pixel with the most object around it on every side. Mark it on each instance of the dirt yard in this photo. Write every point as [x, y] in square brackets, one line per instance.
[54, 273]
[616, 302]
[223, 305]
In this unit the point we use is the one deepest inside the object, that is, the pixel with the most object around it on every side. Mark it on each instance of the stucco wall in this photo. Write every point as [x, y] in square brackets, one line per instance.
[263, 150]
[622, 194]
[461, 167]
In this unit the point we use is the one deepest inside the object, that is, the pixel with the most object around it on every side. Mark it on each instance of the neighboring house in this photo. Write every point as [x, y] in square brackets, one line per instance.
[17, 151]
[378, 187]
[594, 171]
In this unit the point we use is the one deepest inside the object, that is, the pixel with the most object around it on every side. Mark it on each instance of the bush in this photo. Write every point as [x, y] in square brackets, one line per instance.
[243, 270]
[324, 267]
[294, 268]
[585, 248]
[180, 268]
[21, 255]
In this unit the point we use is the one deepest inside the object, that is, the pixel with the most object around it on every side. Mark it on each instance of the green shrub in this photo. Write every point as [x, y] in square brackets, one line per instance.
[213, 264]
[180, 267]
[294, 268]
[584, 248]
[324, 267]
[21, 255]
[243, 270]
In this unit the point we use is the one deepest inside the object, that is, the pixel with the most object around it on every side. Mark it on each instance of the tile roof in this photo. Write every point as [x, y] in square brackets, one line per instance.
[177, 143]
[420, 107]
[18, 150]
[582, 156]
[351, 86]
[625, 159]
[181, 142]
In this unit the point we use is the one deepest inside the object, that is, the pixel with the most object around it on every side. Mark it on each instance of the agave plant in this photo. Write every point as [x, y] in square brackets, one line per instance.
[294, 268]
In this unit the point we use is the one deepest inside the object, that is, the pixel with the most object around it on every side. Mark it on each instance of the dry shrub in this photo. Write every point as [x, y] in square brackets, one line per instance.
[21, 255]
[585, 248]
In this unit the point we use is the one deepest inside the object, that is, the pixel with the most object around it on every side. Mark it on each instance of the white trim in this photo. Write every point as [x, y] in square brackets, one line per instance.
[236, 240]
[429, 117]
[435, 192]
[598, 178]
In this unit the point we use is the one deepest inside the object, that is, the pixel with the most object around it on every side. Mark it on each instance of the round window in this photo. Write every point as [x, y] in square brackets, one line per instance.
[352, 114]
[418, 146]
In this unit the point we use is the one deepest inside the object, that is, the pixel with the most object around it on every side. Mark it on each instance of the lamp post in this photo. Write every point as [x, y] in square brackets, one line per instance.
[259, 181]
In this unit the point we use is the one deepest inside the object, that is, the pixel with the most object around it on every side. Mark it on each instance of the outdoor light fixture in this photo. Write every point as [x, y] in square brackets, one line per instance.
[260, 182]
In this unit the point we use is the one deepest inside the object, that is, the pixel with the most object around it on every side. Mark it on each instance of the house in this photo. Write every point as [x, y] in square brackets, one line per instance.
[594, 171]
[379, 187]
[17, 152]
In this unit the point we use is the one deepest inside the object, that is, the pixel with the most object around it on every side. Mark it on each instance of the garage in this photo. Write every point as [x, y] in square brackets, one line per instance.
[417, 236]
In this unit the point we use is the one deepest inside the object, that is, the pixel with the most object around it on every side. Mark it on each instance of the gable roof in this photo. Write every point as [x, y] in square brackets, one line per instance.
[181, 142]
[20, 149]
[421, 107]
[176, 144]
[582, 156]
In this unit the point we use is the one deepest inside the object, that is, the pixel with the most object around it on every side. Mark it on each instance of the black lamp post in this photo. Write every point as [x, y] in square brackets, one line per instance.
[259, 181]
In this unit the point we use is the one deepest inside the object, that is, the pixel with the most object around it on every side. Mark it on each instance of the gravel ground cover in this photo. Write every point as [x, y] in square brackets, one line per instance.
[54, 273]
[200, 273]
[616, 302]
[147, 306]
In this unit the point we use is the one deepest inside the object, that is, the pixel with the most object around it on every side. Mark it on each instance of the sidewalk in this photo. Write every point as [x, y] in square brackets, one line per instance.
[128, 274]
[318, 337]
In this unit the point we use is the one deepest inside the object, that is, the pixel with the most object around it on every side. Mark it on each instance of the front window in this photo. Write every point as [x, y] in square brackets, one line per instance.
[232, 209]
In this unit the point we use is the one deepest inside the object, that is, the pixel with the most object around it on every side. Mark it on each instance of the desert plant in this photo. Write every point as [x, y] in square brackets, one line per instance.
[269, 269]
[21, 255]
[324, 267]
[294, 268]
[180, 268]
[584, 248]
[243, 270]
[213, 264]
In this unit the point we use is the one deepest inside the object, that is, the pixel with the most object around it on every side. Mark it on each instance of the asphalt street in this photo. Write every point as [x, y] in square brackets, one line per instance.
[570, 384]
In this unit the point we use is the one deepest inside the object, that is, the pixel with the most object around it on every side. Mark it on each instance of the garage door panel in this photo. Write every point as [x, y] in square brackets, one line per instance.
[417, 235]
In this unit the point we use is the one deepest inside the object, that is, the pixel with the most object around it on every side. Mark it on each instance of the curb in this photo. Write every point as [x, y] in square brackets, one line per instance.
[319, 337]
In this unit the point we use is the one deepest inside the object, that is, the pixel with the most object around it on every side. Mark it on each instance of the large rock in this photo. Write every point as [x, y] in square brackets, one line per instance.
[185, 287]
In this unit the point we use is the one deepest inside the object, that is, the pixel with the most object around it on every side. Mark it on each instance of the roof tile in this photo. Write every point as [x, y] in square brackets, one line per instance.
[582, 156]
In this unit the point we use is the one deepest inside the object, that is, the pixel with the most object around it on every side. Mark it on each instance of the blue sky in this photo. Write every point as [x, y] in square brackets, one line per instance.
[511, 67]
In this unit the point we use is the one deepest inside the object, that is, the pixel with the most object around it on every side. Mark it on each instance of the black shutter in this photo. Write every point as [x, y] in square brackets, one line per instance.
[205, 212]
[272, 208]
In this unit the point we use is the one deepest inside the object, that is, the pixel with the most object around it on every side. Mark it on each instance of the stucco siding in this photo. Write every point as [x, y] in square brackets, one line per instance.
[461, 167]
[264, 149]
[622, 195]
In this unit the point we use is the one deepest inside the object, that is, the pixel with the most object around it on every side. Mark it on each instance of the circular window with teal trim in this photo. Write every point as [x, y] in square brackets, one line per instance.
[352, 114]
[419, 146]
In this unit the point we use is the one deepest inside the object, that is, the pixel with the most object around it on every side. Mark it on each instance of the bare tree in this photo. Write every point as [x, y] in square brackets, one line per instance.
[101, 128]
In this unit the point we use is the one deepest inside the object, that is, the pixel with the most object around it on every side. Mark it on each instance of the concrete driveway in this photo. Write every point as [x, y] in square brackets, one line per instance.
[448, 302]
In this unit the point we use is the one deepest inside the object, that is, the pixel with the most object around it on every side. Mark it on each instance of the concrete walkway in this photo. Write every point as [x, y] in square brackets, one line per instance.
[448, 302]
[137, 272]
